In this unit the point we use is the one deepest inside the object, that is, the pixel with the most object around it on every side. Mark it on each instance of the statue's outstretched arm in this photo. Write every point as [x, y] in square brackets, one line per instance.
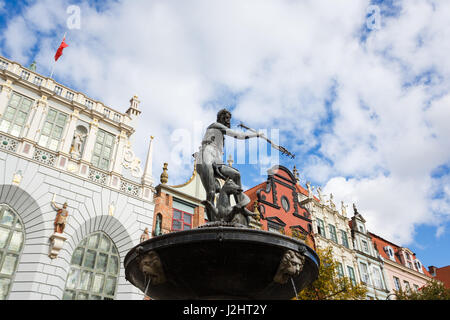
[235, 134]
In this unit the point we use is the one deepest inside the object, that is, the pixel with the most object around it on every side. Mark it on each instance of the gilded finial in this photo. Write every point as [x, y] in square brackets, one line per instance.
[164, 175]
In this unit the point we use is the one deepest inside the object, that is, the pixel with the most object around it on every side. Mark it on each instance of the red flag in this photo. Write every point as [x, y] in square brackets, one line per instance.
[59, 52]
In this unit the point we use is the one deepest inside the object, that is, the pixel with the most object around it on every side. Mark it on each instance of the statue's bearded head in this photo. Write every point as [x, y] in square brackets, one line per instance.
[224, 117]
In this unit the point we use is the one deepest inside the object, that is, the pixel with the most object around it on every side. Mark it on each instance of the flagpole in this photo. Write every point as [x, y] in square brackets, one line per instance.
[54, 63]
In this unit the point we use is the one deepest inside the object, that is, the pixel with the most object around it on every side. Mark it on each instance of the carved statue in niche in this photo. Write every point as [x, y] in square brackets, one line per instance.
[78, 141]
[290, 266]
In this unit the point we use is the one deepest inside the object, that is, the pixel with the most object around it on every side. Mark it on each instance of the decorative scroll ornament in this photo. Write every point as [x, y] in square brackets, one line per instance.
[130, 161]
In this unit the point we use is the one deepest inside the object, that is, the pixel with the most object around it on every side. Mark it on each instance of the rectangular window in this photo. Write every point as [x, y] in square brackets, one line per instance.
[181, 220]
[320, 227]
[397, 284]
[340, 270]
[333, 235]
[103, 150]
[351, 275]
[364, 246]
[52, 131]
[364, 273]
[407, 287]
[344, 239]
[377, 282]
[16, 114]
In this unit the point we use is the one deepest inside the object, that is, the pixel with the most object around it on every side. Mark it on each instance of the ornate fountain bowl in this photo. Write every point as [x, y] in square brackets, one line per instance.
[221, 261]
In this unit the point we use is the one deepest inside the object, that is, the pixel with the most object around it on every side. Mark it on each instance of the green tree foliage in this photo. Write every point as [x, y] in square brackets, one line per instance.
[329, 285]
[433, 290]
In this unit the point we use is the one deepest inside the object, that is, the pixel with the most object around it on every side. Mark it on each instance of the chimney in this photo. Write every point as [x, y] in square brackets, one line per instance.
[432, 270]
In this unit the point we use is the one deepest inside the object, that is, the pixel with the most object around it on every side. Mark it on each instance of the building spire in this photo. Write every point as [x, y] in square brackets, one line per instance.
[147, 178]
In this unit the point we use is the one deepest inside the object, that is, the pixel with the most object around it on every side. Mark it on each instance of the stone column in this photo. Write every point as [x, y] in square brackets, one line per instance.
[118, 159]
[35, 121]
[5, 95]
[90, 141]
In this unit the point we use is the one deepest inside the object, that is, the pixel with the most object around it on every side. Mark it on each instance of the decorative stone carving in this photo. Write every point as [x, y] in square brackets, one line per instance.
[290, 266]
[310, 190]
[130, 161]
[151, 266]
[56, 243]
[164, 175]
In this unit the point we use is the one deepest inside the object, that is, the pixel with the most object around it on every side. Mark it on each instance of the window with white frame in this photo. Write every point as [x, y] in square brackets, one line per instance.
[351, 275]
[16, 114]
[364, 273]
[340, 270]
[103, 148]
[11, 243]
[418, 265]
[94, 270]
[407, 286]
[397, 285]
[53, 129]
[390, 252]
[377, 279]
[364, 246]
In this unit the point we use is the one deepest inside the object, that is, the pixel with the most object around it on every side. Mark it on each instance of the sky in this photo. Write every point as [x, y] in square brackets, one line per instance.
[359, 91]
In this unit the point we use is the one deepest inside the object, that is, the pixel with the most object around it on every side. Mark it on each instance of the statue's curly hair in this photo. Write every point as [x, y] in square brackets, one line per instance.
[221, 113]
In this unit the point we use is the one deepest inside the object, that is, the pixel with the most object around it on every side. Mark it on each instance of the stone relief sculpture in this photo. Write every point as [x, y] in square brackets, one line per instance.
[130, 161]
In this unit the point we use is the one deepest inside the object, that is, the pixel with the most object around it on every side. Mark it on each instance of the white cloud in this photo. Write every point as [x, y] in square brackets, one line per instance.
[380, 107]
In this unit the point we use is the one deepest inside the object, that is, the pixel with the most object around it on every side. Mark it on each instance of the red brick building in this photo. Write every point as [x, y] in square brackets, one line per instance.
[178, 207]
[441, 274]
[278, 205]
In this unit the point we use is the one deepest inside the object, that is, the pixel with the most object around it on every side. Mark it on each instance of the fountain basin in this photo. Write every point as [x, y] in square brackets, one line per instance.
[219, 262]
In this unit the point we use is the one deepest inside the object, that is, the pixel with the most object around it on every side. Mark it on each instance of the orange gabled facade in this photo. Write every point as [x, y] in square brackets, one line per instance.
[278, 205]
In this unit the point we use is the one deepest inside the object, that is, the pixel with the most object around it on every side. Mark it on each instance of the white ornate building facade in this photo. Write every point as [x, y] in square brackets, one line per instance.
[59, 146]
[331, 229]
[370, 262]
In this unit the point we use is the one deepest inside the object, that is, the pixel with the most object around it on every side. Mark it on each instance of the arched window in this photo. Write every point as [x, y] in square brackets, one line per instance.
[11, 243]
[158, 225]
[94, 270]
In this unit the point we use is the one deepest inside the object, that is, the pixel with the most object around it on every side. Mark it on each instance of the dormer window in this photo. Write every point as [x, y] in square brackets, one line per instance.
[418, 265]
[390, 252]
